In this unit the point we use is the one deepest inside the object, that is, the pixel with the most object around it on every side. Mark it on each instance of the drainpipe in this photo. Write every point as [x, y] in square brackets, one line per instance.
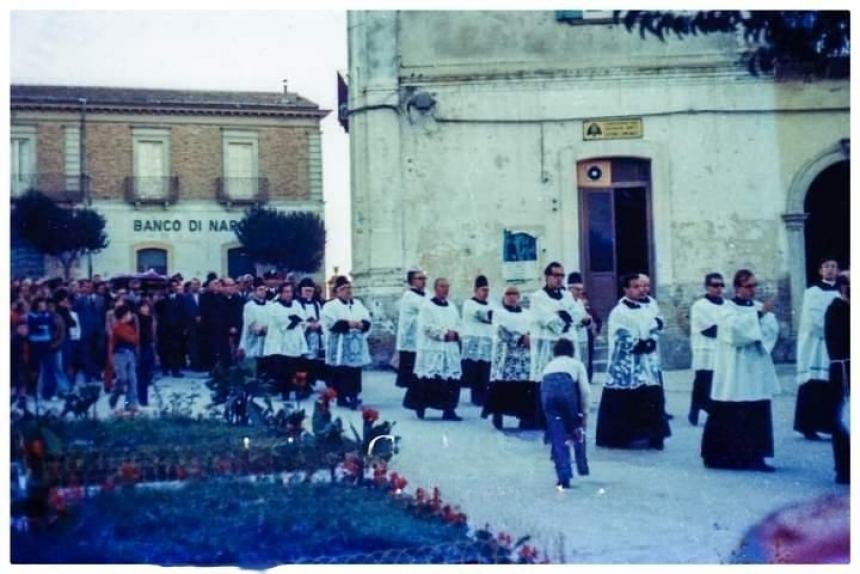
[85, 187]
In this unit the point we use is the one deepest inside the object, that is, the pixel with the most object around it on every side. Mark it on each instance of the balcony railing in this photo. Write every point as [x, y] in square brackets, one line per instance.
[152, 190]
[242, 190]
[58, 186]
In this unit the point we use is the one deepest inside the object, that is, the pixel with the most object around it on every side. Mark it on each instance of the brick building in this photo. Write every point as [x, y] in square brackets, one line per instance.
[170, 170]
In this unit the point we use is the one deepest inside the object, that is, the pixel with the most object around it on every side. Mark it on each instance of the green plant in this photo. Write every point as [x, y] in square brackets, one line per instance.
[237, 389]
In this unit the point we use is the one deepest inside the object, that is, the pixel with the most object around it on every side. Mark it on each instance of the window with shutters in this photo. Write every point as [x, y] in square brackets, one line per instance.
[22, 160]
[72, 157]
[151, 149]
[241, 180]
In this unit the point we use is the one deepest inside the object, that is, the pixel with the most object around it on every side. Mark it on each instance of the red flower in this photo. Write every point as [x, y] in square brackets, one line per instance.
[128, 472]
[37, 448]
[57, 500]
[527, 552]
[369, 415]
[108, 484]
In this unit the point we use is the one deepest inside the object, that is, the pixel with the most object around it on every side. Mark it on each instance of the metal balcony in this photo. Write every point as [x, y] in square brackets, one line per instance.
[152, 190]
[58, 186]
[242, 190]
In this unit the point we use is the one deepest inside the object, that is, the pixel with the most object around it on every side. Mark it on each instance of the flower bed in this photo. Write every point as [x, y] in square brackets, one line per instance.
[255, 525]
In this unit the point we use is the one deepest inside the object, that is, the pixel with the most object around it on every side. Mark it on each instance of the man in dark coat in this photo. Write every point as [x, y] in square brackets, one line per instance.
[171, 324]
[90, 308]
[227, 322]
[208, 302]
[193, 325]
[837, 336]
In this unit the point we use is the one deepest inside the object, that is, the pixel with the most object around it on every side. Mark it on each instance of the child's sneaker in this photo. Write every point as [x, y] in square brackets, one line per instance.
[562, 485]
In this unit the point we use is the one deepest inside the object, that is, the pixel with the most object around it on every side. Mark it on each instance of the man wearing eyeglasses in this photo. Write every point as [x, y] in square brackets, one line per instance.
[410, 303]
[704, 315]
[814, 409]
[739, 431]
[555, 315]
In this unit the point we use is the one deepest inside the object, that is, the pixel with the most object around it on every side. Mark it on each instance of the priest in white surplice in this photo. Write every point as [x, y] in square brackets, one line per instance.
[814, 409]
[739, 430]
[704, 314]
[407, 318]
[631, 406]
[437, 360]
[651, 306]
[254, 320]
[477, 339]
[285, 343]
[554, 315]
[346, 323]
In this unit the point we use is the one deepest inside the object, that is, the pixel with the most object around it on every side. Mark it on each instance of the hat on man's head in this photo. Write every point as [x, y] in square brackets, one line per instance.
[306, 282]
[340, 281]
[574, 278]
[258, 281]
[270, 274]
[481, 281]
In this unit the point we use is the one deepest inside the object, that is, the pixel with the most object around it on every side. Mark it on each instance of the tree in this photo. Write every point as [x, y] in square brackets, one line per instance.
[815, 41]
[289, 241]
[63, 233]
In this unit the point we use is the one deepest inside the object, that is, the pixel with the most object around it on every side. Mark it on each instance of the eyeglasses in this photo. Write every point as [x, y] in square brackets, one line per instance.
[716, 284]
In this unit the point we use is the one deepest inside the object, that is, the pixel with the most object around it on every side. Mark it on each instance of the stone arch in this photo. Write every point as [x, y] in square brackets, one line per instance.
[795, 219]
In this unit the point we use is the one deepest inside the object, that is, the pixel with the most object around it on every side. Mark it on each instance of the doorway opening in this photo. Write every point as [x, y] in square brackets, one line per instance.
[828, 225]
[615, 226]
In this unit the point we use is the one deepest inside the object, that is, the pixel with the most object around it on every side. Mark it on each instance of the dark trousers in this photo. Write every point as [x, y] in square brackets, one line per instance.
[701, 391]
[841, 438]
[563, 424]
[476, 376]
[89, 358]
[346, 381]
[283, 370]
[145, 372]
[405, 369]
[435, 393]
[195, 358]
[171, 349]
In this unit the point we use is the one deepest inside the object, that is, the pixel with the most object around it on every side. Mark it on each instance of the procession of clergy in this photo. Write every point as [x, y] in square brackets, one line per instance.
[528, 362]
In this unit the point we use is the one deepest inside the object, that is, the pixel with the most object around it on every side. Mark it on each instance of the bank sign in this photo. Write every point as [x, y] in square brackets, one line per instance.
[188, 225]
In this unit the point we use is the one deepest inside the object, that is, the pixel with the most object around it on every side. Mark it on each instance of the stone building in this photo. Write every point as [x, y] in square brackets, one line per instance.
[170, 170]
[495, 142]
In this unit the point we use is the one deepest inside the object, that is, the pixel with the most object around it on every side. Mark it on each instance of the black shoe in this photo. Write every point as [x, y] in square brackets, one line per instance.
[582, 468]
[656, 444]
[764, 467]
[811, 435]
[668, 417]
[693, 417]
[451, 416]
[420, 413]
[178, 374]
[498, 421]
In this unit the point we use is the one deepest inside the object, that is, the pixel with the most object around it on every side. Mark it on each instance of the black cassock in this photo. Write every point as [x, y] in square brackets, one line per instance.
[227, 314]
[837, 337]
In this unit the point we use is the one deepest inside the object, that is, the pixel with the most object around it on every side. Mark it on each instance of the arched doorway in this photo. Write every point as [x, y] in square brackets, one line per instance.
[827, 204]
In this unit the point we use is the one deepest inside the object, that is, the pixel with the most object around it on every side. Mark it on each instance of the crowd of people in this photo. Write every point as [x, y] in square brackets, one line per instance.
[119, 333]
[533, 361]
[535, 364]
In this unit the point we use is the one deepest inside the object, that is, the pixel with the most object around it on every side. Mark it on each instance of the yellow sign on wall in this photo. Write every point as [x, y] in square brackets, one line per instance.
[618, 129]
